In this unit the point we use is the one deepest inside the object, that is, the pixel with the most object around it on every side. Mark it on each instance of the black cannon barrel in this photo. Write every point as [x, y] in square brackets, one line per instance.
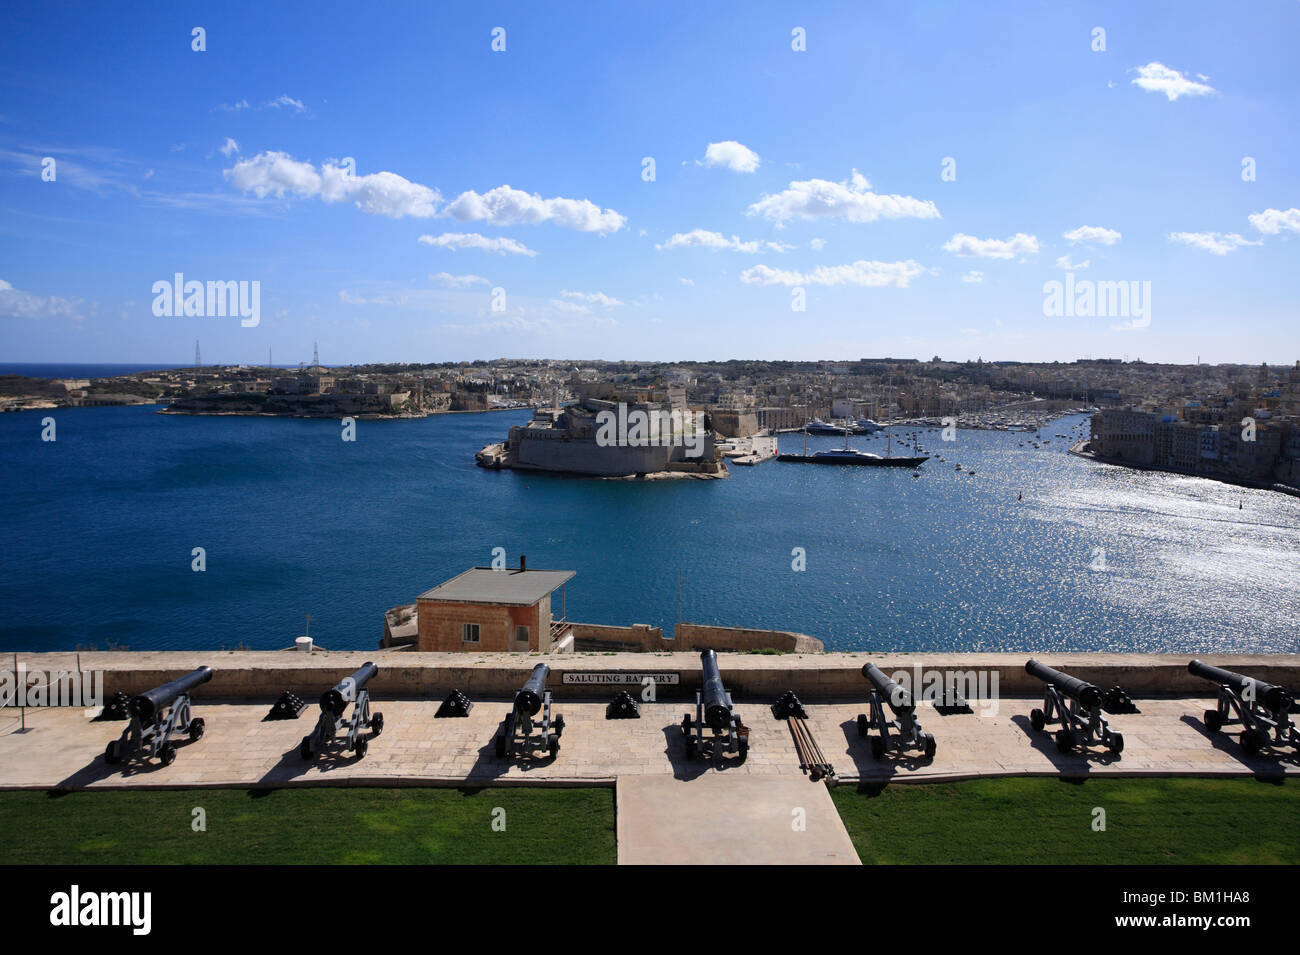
[716, 711]
[530, 694]
[335, 700]
[899, 700]
[1087, 694]
[1274, 697]
[147, 704]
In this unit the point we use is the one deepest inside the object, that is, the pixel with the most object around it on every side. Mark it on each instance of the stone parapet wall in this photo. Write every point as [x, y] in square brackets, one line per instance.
[263, 675]
[694, 636]
[690, 636]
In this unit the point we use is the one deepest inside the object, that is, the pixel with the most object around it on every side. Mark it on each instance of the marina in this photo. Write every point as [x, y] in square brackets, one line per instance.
[1036, 549]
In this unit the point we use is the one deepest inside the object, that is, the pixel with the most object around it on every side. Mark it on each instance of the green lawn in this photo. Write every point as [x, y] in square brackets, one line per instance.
[1029, 821]
[312, 826]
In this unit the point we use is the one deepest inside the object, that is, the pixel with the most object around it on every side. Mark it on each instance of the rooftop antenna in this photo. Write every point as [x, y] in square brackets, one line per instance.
[315, 355]
[197, 362]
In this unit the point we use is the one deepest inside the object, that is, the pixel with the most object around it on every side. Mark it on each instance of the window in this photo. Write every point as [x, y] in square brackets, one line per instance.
[469, 633]
[521, 635]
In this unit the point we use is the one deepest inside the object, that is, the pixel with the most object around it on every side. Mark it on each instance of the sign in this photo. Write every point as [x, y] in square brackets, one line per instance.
[611, 678]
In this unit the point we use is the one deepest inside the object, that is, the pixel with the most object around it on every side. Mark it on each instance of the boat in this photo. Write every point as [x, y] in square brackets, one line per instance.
[818, 426]
[853, 456]
[847, 455]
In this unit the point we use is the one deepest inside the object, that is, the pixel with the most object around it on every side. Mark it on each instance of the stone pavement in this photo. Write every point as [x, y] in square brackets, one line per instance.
[62, 748]
[725, 818]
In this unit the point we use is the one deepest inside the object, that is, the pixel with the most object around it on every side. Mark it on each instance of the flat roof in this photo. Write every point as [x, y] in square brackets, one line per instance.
[483, 585]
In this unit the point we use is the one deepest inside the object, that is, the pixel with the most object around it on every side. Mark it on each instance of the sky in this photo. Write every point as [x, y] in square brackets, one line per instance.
[657, 181]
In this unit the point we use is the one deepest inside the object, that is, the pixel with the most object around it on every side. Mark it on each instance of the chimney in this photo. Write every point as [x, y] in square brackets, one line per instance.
[523, 563]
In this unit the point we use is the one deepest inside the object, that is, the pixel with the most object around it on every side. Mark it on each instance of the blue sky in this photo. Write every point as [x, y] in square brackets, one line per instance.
[824, 164]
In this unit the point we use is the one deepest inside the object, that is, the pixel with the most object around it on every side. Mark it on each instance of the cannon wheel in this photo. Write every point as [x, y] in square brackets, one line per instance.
[878, 747]
[167, 754]
[195, 729]
[742, 749]
[1064, 740]
[929, 745]
[1213, 721]
[686, 724]
[113, 752]
[558, 723]
[1252, 741]
[1037, 720]
[360, 747]
[1117, 743]
[499, 744]
[691, 748]
[304, 748]
[377, 723]
[863, 724]
[553, 743]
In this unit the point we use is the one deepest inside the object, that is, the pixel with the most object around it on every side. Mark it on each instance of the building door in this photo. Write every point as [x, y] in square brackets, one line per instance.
[519, 641]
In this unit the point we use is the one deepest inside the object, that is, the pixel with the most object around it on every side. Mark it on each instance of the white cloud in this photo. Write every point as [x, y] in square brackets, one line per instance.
[852, 200]
[18, 304]
[592, 298]
[870, 274]
[1019, 244]
[688, 281]
[458, 281]
[284, 101]
[572, 308]
[1274, 221]
[381, 193]
[973, 277]
[731, 155]
[229, 147]
[472, 240]
[505, 205]
[1158, 78]
[817, 244]
[1064, 263]
[1093, 233]
[702, 238]
[1220, 243]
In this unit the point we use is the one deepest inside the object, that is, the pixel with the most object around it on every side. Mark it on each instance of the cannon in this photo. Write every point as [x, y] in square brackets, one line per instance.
[1082, 722]
[156, 716]
[902, 733]
[521, 731]
[333, 703]
[1262, 709]
[715, 712]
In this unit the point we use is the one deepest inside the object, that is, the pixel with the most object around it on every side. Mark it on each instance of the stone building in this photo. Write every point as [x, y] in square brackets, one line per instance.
[494, 610]
[1124, 434]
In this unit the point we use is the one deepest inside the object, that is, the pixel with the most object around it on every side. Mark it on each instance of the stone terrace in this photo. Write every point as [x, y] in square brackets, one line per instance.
[62, 747]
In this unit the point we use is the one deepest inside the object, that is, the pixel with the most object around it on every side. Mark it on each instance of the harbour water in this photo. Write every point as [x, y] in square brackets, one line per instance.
[99, 529]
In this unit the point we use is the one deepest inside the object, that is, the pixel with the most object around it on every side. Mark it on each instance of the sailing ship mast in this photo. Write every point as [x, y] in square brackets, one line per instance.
[889, 433]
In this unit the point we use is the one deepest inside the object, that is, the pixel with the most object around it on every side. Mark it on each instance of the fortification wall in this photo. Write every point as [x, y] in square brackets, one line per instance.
[263, 675]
